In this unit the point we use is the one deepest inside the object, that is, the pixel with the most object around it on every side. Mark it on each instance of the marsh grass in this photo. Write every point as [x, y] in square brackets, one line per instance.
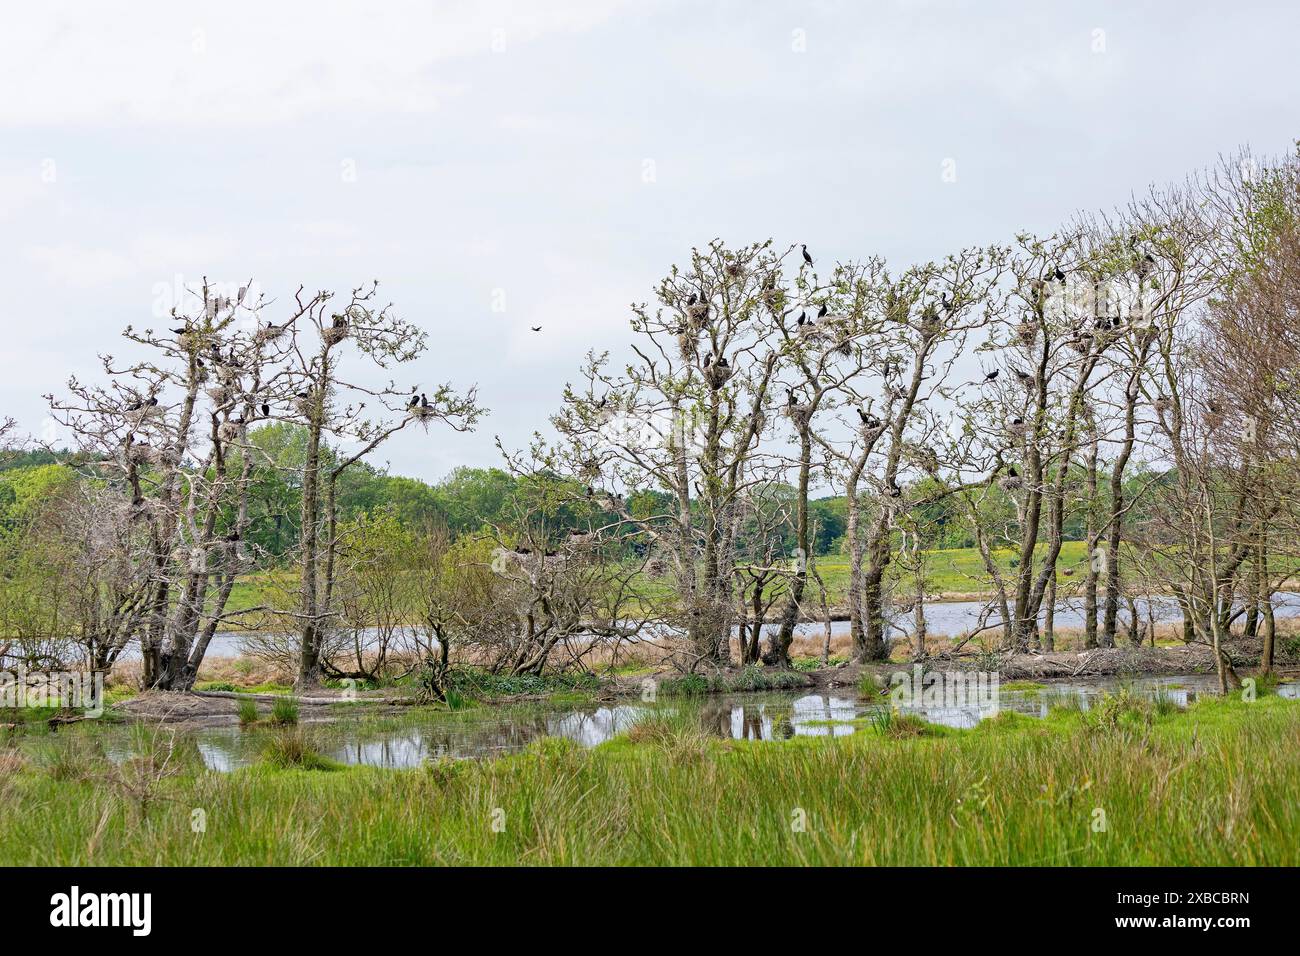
[751, 678]
[1064, 701]
[1212, 785]
[248, 714]
[292, 748]
[677, 731]
[284, 712]
[70, 757]
[1163, 702]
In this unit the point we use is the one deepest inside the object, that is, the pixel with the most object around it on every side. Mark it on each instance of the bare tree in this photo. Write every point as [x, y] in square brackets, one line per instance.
[762, 567]
[333, 407]
[898, 391]
[687, 415]
[163, 430]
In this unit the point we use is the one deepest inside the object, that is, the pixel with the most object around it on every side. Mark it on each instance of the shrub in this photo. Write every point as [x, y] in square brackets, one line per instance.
[815, 663]
[750, 678]
[688, 685]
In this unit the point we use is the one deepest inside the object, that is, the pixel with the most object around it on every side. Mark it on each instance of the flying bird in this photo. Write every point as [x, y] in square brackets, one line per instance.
[536, 328]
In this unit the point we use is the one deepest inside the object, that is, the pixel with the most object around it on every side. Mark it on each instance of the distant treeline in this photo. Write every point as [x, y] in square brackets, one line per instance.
[466, 501]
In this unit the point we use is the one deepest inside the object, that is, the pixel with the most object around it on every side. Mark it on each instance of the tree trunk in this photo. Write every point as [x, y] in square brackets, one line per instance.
[779, 653]
[308, 601]
[1268, 629]
[1091, 538]
[1115, 526]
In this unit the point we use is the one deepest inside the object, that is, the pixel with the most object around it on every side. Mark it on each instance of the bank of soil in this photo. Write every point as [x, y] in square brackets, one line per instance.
[1067, 665]
[215, 708]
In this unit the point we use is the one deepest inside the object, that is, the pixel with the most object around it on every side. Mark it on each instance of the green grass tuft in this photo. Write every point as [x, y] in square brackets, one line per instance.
[247, 712]
[284, 712]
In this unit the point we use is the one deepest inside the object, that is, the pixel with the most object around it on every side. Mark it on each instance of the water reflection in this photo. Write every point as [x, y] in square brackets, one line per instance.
[775, 716]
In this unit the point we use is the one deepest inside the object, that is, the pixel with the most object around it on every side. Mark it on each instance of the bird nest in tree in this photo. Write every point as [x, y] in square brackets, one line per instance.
[142, 453]
[335, 334]
[927, 459]
[717, 375]
[141, 415]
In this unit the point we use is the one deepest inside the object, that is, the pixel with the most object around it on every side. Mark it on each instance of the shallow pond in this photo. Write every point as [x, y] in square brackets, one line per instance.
[409, 740]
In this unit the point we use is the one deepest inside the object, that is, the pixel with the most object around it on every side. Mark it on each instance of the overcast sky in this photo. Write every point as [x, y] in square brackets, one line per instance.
[559, 157]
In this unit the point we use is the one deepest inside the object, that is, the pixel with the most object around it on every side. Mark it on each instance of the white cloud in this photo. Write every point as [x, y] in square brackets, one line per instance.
[71, 264]
[238, 63]
[521, 170]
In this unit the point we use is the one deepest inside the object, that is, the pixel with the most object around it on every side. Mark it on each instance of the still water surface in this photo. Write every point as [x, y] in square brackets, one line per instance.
[493, 731]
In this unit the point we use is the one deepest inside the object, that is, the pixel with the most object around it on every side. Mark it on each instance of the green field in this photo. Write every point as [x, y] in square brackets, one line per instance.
[958, 571]
[955, 571]
[1214, 784]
